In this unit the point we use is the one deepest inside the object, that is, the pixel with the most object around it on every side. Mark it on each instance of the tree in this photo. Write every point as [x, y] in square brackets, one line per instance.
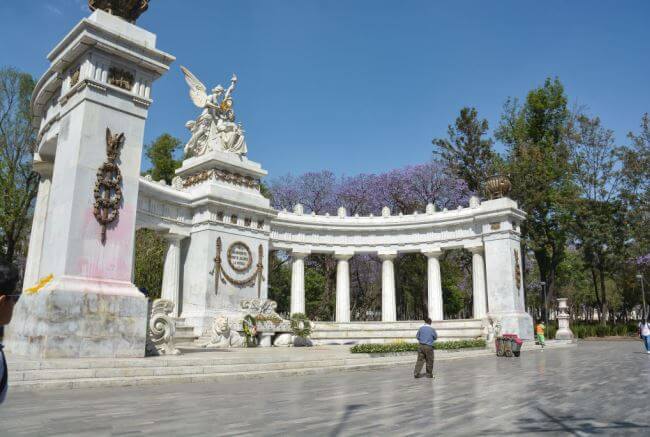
[150, 249]
[18, 183]
[466, 151]
[599, 216]
[161, 154]
[537, 136]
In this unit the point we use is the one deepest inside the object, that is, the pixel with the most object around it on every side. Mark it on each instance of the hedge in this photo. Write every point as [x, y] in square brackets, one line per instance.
[413, 347]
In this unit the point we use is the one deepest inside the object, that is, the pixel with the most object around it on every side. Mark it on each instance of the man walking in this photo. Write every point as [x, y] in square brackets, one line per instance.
[426, 336]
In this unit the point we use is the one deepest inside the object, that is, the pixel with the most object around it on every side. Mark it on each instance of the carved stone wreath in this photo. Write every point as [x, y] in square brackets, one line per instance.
[108, 189]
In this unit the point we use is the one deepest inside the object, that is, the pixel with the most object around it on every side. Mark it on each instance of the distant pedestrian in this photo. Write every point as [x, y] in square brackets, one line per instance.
[644, 332]
[8, 279]
[426, 337]
[539, 330]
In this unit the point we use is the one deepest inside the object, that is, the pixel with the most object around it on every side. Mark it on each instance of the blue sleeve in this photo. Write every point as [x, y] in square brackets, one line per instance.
[435, 334]
[417, 335]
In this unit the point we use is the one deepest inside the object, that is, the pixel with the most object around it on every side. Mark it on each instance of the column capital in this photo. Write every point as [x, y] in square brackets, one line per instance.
[432, 253]
[43, 168]
[387, 256]
[341, 256]
[475, 249]
[171, 236]
[300, 253]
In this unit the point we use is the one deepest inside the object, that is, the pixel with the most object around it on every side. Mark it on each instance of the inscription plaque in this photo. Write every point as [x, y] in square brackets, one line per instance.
[240, 257]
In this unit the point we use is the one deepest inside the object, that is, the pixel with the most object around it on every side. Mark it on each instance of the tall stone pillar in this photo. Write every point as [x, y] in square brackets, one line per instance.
[504, 277]
[343, 288]
[298, 282]
[478, 282]
[388, 306]
[99, 80]
[434, 285]
[32, 267]
[172, 271]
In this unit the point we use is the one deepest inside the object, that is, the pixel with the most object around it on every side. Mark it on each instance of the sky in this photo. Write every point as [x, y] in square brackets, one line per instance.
[362, 86]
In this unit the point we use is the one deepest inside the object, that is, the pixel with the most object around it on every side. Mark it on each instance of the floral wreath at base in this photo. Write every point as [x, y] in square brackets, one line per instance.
[249, 326]
[300, 325]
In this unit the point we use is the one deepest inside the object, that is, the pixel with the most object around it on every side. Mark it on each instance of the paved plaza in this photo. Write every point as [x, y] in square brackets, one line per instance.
[595, 388]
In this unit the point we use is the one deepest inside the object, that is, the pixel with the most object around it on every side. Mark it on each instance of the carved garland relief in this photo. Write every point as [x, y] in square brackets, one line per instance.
[517, 269]
[120, 78]
[108, 187]
[221, 175]
[240, 265]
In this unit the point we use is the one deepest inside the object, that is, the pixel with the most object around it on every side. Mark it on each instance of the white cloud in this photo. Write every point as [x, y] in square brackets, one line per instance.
[53, 9]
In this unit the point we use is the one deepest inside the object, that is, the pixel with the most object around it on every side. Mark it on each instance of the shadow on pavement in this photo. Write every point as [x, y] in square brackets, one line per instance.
[349, 410]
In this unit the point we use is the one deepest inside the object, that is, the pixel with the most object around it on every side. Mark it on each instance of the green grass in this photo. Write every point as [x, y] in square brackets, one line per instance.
[413, 347]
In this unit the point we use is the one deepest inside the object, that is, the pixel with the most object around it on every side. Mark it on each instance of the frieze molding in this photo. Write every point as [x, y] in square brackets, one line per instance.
[221, 175]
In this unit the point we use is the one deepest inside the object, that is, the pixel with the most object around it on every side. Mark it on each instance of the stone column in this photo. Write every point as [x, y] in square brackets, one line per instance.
[343, 288]
[172, 271]
[434, 285]
[298, 282]
[37, 234]
[388, 307]
[478, 282]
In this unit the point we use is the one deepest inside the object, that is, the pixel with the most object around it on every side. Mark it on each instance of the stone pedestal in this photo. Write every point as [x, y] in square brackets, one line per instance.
[563, 332]
[266, 339]
[227, 255]
[100, 78]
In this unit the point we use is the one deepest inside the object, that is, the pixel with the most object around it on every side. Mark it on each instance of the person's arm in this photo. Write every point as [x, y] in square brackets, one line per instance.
[435, 334]
[417, 336]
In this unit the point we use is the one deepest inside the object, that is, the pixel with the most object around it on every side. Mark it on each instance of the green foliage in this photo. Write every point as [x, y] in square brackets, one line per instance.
[410, 278]
[161, 154]
[466, 151]
[150, 251]
[538, 138]
[455, 299]
[413, 347]
[279, 281]
[318, 304]
[586, 330]
[18, 183]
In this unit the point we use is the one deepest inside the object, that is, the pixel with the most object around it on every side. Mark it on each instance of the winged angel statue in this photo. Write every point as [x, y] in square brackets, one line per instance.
[215, 128]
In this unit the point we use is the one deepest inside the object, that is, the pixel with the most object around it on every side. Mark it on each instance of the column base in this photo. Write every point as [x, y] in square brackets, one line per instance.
[564, 334]
[519, 323]
[77, 317]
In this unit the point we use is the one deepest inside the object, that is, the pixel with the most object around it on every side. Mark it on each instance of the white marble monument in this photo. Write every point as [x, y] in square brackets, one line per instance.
[90, 107]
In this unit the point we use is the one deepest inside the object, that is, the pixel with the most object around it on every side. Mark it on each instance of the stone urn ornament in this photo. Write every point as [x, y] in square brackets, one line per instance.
[129, 10]
[497, 186]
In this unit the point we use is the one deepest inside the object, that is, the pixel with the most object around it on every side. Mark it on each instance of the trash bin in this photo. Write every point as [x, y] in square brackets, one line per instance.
[508, 345]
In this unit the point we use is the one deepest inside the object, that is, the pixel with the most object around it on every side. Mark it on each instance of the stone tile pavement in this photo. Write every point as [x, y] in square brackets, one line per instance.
[596, 388]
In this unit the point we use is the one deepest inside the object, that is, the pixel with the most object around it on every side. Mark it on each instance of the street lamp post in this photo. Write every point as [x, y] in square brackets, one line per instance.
[543, 284]
[640, 277]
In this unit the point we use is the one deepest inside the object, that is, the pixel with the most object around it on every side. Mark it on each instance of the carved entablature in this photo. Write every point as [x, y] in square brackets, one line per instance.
[221, 175]
[120, 78]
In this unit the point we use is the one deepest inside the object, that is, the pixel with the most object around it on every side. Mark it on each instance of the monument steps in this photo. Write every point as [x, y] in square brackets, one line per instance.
[385, 332]
[191, 368]
[125, 376]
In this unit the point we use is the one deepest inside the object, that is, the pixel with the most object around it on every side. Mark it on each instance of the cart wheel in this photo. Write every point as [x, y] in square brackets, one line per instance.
[508, 353]
[517, 353]
[499, 353]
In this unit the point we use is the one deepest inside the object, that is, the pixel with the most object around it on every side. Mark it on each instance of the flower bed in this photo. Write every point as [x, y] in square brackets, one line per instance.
[413, 347]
